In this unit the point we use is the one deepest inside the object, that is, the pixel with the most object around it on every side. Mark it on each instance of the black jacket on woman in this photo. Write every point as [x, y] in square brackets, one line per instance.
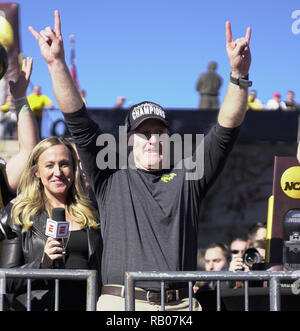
[26, 251]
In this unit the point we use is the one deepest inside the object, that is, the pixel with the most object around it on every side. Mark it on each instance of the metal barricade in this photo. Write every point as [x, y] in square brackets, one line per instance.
[55, 274]
[273, 277]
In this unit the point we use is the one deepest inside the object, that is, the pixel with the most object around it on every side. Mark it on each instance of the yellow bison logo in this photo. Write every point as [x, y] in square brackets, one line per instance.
[168, 178]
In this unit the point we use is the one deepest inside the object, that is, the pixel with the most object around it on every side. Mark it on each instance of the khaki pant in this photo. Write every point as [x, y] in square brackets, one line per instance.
[108, 302]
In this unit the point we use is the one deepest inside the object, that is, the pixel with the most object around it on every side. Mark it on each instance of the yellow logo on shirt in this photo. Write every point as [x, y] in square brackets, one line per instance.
[168, 178]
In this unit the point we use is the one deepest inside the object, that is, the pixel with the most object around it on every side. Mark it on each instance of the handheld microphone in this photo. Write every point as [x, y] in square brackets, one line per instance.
[58, 228]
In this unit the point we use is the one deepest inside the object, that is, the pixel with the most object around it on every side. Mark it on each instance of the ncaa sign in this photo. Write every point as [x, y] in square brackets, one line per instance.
[290, 182]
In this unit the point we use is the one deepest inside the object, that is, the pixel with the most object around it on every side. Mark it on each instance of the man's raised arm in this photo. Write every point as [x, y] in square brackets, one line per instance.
[27, 127]
[52, 49]
[234, 107]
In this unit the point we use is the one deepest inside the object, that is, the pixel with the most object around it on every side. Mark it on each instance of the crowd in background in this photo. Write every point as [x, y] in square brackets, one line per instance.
[209, 83]
[275, 103]
[218, 256]
[241, 254]
[208, 87]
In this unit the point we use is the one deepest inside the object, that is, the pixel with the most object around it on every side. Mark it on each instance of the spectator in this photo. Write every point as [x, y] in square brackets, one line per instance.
[237, 249]
[240, 262]
[120, 102]
[52, 179]
[260, 245]
[37, 102]
[149, 213]
[290, 103]
[208, 87]
[257, 231]
[10, 172]
[253, 102]
[275, 103]
[216, 258]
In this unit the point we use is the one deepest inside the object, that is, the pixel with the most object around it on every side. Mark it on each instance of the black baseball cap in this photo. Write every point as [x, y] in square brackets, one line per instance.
[143, 111]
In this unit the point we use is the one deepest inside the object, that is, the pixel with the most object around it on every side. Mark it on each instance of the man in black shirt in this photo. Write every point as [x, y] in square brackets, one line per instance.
[149, 213]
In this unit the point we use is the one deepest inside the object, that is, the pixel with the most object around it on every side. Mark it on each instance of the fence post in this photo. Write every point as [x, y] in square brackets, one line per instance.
[2, 290]
[129, 292]
[274, 294]
[28, 294]
[91, 291]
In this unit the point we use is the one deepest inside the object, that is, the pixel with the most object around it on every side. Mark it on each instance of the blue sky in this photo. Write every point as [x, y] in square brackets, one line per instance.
[155, 50]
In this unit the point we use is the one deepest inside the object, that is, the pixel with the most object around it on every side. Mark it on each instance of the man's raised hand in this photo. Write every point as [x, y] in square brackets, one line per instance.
[50, 41]
[18, 89]
[238, 52]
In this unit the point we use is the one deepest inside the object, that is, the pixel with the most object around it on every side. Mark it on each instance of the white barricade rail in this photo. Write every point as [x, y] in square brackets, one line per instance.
[273, 277]
[57, 275]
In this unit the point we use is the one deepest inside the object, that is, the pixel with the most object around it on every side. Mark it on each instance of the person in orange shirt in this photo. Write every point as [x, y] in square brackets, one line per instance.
[37, 102]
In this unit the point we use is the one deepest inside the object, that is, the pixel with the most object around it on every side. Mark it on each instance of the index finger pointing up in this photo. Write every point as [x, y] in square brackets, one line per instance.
[57, 25]
[228, 32]
[34, 33]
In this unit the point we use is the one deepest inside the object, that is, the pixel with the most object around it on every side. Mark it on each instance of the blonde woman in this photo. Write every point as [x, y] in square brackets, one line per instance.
[53, 179]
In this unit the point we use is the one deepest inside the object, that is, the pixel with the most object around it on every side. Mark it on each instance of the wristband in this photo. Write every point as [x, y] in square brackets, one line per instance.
[243, 81]
[22, 105]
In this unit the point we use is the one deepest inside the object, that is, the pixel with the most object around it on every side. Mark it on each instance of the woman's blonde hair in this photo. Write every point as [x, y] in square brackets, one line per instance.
[33, 201]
